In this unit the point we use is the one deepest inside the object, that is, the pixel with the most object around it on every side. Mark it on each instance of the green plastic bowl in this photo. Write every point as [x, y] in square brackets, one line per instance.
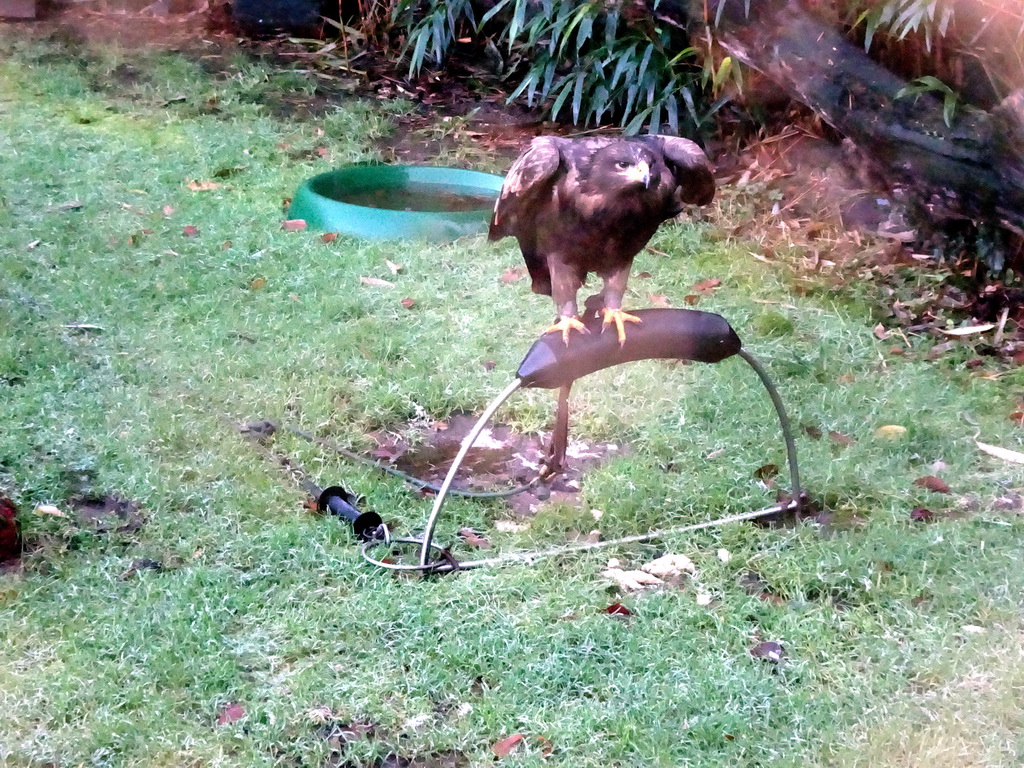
[395, 202]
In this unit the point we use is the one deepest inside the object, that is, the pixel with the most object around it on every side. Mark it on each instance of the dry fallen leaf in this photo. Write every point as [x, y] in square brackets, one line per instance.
[168, 210]
[408, 303]
[968, 330]
[840, 439]
[203, 186]
[932, 483]
[71, 205]
[546, 747]
[190, 231]
[921, 515]
[658, 300]
[510, 526]
[230, 713]
[293, 225]
[768, 651]
[881, 332]
[632, 580]
[512, 274]
[320, 715]
[505, 746]
[891, 432]
[376, 281]
[616, 609]
[258, 283]
[395, 268]
[669, 565]
[1001, 453]
[707, 286]
[50, 509]
[812, 431]
[474, 538]
[328, 237]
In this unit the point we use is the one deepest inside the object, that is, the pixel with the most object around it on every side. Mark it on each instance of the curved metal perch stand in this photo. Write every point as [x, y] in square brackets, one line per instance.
[681, 334]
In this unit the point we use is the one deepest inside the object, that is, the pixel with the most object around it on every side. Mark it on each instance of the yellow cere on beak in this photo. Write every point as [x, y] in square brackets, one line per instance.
[640, 172]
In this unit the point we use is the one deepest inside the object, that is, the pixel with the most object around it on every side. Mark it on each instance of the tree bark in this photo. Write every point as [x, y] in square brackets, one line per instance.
[973, 169]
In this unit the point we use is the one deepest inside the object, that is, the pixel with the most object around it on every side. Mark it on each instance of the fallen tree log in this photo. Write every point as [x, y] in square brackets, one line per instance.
[969, 171]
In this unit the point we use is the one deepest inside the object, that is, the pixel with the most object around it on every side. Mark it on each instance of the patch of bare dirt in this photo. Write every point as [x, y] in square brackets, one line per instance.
[501, 458]
[107, 514]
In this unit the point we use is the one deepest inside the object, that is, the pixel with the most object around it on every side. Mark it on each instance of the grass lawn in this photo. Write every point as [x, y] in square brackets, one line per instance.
[265, 640]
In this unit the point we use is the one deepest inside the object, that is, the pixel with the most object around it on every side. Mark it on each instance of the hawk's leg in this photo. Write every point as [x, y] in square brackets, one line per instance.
[614, 288]
[555, 459]
[564, 284]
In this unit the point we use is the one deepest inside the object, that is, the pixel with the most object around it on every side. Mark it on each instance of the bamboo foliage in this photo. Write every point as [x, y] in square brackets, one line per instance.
[581, 60]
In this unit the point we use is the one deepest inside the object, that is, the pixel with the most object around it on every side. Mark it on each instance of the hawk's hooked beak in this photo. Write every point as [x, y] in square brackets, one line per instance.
[641, 172]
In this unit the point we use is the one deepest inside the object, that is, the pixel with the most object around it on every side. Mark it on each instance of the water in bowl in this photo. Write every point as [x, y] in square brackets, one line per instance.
[414, 196]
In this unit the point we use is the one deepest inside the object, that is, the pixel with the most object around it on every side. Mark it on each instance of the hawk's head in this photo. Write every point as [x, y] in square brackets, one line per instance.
[622, 165]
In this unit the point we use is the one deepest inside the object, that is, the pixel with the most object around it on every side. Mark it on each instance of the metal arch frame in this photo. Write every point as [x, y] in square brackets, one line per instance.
[446, 564]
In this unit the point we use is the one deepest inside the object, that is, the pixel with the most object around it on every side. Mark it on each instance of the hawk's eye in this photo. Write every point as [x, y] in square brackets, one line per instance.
[622, 164]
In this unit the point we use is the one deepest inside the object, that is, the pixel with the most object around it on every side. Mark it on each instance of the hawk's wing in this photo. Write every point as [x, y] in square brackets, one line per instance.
[527, 186]
[689, 165]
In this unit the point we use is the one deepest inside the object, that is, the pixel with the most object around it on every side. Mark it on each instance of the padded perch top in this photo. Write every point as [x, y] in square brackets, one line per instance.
[680, 334]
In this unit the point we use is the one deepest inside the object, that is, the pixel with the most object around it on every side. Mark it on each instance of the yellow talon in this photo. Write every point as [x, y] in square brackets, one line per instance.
[619, 317]
[566, 324]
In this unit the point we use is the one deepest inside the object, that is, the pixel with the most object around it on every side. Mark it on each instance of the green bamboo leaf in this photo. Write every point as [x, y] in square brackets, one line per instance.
[437, 40]
[686, 53]
[722, 73]
[655, 124]
[690, 106]
[631, 92]
[933, 83]
[586, 29]
[651, 85]
[611, 27]
[625, 64]
[529, 84]
[518, 18]
[577, 96]
[563, 27]
[599, 102]
[672, 112]
[498, 7]
[549, 77]
[637, 122]
[871, 17]
[947, 16]
[949, 106]
[416, 60]
[565, 88]
[645, 61]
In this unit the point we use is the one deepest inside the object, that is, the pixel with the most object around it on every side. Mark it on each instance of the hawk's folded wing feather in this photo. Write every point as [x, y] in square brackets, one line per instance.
[528, 180]
[689, 165]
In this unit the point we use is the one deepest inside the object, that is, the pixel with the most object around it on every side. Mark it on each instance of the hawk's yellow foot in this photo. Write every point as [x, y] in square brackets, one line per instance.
[619, 318]
[566, 324]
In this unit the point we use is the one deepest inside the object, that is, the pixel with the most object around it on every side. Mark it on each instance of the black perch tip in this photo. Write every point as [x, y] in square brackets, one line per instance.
[341, 503]
[677, 334]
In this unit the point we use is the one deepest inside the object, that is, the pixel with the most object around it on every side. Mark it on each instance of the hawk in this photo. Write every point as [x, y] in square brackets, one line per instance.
[586, 205]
